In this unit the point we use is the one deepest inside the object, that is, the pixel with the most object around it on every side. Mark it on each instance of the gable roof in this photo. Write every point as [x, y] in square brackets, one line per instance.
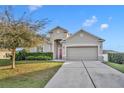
[100, 39]
[58, 27]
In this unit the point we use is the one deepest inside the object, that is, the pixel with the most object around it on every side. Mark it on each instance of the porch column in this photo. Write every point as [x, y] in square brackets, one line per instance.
[53, 49]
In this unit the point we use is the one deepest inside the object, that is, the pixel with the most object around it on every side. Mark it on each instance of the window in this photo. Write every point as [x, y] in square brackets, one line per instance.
[58, 31]
[39, 49]
[101, 46]
[7, 55]
[81, 35]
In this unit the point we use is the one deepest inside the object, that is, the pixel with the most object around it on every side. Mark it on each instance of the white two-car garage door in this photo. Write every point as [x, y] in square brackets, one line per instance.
[82, 52]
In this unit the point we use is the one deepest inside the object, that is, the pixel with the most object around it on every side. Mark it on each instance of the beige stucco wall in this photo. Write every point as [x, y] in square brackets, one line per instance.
[58, 34]
[47, 47]
[82, 38]
[33, 49]
[3, 54]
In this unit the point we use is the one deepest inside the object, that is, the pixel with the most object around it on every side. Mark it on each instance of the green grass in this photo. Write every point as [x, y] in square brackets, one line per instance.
[6, 62]
[30, 74]
[119, 67]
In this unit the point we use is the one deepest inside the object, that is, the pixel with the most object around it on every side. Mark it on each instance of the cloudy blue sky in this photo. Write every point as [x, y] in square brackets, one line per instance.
[106, 22]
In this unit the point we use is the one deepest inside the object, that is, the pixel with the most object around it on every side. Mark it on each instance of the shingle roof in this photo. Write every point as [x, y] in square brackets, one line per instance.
[87, 33]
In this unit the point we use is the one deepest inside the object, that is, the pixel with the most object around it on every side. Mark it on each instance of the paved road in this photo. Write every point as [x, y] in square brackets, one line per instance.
[87, 74]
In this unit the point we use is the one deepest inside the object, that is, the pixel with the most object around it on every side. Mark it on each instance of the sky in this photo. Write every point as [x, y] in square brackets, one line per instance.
[106, 22]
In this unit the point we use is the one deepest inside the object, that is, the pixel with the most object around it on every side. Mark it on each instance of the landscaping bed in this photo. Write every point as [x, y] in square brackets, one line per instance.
[23, 55]
[30, 74]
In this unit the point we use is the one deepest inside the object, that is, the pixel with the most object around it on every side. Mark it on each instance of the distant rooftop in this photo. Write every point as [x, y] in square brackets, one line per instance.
[110, 51]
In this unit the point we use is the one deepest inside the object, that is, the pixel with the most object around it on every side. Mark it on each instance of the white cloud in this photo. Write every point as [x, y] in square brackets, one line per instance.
[90, 22]
[104, 26]
[34, 7]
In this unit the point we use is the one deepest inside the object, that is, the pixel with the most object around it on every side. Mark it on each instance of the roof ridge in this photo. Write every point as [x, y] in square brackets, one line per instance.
[87, 33]
[91, 34]
[58, 27]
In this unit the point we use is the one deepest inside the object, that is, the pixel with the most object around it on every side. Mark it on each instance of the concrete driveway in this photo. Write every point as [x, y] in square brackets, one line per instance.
[87, 74]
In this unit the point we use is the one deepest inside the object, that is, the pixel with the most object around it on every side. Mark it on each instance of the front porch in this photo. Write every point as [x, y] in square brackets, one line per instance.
[57, 52]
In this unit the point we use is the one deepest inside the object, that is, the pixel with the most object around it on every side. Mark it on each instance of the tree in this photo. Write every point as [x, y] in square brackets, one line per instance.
[19, 32]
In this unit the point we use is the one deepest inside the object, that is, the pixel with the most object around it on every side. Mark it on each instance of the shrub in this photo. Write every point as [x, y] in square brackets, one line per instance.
[21, 55]
[38, 56]
[116, 57]
[30, 58]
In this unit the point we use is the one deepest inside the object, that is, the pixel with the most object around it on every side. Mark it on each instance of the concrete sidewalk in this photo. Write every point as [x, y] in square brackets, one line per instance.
[87, 74]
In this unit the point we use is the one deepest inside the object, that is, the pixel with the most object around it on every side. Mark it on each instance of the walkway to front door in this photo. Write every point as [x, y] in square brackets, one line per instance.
[90, 74]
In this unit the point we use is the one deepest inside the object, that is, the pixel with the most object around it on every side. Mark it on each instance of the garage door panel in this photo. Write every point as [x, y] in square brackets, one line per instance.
[85, 53]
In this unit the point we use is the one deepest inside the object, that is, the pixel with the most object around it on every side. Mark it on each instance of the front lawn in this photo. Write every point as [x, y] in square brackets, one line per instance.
[31, 74]
[119, 67]
[7, 62]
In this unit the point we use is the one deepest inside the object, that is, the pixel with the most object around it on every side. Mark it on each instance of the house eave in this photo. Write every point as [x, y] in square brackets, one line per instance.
[100, 39]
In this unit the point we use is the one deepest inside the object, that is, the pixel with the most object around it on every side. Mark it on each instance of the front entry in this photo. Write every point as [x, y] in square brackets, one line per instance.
[58, 49]
[59, 53]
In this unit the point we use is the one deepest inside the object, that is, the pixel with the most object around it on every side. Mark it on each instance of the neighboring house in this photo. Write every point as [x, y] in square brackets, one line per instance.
[109, 51]
[5, 54]
[81, 45]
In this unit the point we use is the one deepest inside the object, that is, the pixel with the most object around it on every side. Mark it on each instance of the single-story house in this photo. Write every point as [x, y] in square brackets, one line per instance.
[81, 45]
[5, 54]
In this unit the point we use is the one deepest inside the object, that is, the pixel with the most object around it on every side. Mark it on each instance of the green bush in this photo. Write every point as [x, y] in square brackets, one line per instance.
[39, 54]
[21, 55]
[29, 58]
[5, 62]
[116, 57]
[36, 56]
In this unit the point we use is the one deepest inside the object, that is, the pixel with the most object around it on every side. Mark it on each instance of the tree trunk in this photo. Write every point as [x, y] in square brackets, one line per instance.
[13, 58]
